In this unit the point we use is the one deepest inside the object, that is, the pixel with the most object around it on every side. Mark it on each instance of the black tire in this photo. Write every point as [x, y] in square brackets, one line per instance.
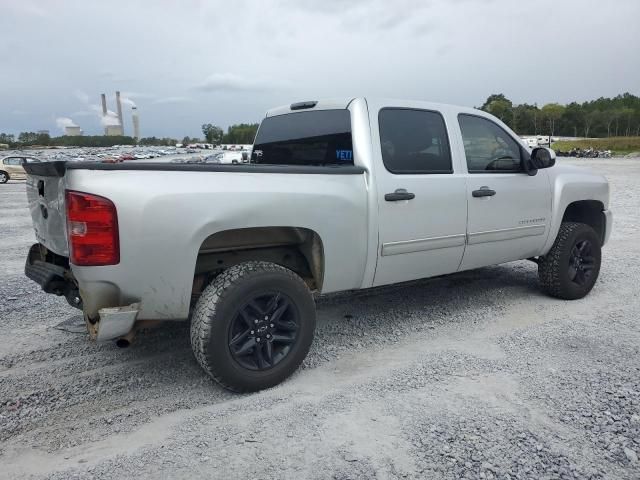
[570, 269]
[222, 308]
[4, 176]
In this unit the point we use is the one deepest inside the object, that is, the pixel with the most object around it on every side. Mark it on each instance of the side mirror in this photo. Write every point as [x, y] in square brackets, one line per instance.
[542, 157]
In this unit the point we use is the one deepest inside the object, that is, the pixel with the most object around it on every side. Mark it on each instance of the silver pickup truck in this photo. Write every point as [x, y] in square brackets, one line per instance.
[338, 195]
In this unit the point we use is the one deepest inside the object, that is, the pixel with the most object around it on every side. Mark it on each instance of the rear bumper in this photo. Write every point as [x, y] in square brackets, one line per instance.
[52, 277]
[53, 274]
[608, 215]
[114, 322]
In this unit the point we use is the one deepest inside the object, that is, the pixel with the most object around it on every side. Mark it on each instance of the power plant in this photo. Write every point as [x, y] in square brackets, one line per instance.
[119, 106]
[72, 131]
[135, 119]
[114, 123]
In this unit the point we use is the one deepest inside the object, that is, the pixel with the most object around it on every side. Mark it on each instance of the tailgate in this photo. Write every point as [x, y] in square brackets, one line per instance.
[45, 193]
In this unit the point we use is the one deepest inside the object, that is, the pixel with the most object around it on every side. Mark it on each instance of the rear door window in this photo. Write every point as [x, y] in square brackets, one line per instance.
[321, 137]
[414, 141]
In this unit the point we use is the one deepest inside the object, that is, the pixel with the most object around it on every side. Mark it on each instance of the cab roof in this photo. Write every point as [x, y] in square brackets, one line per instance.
[341, 103]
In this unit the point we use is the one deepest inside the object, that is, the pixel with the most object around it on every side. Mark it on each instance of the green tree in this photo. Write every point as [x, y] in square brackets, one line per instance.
[525, 119]
[43, 139]
[608, 117]
[495, 97]
[573, 118]
[27, 138]
[92, 141]
[9, 139]
[159, 142]
[500, 106]
[243, 133]
[552, 113]
[626, 115]
[212, 133]
[589, 120]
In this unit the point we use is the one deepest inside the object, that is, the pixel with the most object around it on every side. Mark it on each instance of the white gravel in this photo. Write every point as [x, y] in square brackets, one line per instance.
[474, 375]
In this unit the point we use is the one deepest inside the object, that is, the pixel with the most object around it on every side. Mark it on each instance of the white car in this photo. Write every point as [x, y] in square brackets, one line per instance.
[229, 157]
[340, 195]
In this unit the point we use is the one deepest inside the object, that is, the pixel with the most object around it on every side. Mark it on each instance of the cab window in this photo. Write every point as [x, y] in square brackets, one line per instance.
[488, 147]
[414, 141]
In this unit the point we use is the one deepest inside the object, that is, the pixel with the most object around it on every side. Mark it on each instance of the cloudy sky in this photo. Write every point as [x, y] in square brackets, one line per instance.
[194, 61]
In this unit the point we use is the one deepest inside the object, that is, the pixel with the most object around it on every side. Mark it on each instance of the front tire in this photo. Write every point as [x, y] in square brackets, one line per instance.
[570, 269]
[253, 326]
[4, 177]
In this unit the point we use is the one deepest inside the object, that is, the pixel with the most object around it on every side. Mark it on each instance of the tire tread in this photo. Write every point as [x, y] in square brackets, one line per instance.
[206, 307]
[550, 266]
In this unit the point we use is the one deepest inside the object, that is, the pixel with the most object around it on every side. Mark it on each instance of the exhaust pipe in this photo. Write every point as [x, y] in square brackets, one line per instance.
[126, 340]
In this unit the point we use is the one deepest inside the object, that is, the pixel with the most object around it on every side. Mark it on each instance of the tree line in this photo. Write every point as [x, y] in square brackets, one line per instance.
[242, 133]
[605, 117]
[34, 139]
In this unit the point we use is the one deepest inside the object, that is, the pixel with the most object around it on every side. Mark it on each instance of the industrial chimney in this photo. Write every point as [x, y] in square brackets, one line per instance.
[119, 105]
[104, 109]
[136, 123]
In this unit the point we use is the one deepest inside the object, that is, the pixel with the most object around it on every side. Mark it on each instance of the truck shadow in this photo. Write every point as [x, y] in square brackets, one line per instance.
[384, 312]
[448, 295]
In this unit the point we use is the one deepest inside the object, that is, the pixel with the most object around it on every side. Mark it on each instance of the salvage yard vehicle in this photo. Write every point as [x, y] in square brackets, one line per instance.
[340, 195]
[11, 168]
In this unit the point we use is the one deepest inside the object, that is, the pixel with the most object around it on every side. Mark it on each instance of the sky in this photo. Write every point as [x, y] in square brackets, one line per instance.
[223, 62]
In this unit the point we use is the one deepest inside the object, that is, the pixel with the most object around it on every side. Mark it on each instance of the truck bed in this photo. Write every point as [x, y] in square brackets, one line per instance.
[167, 211]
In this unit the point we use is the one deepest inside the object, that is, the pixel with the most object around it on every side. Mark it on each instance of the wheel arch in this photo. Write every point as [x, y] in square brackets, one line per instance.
[299, 249]
[589, 212]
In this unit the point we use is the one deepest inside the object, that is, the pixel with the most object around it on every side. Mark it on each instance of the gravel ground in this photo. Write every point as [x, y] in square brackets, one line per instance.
[474, 375]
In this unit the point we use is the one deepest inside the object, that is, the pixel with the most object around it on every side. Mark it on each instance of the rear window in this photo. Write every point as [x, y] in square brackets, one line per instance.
[321, 137]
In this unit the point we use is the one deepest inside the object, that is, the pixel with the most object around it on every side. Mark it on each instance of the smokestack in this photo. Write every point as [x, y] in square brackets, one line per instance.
[119, 105]
[104, 108]
[136, 123]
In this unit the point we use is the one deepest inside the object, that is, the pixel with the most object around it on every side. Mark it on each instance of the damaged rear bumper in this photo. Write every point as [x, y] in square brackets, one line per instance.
[53, 274]
[114, 322]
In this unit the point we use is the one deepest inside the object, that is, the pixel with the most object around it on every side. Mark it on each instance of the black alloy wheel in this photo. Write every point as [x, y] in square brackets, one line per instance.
[581, 262]
[264, 331]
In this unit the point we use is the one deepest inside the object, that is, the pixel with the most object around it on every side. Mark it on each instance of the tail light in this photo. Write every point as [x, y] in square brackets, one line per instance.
[92, 226]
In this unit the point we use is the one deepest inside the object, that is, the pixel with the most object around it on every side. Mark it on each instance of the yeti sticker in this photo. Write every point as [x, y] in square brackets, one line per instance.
[344, 155]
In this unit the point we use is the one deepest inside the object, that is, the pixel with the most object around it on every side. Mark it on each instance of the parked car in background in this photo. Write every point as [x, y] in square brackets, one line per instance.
[229, 157]
[11, 168]
[530, 142]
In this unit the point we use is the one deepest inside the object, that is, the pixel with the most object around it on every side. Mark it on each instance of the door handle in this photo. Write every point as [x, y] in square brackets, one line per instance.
[483, 192]
[398, 195]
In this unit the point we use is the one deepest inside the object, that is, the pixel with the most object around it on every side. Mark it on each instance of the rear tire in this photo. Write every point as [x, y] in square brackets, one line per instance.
[253, 326]
[4, 177]
[570, 269]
